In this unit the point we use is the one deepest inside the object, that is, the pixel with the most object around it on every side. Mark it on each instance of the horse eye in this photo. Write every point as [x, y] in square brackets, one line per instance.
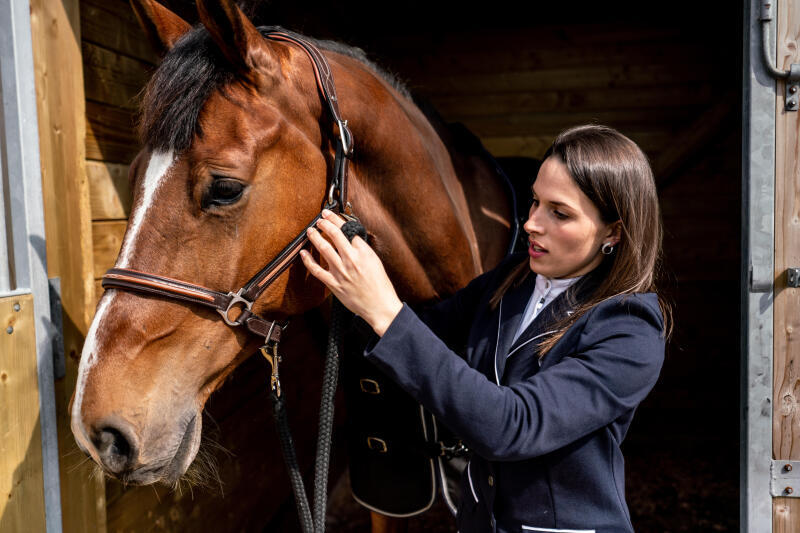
[223, 191]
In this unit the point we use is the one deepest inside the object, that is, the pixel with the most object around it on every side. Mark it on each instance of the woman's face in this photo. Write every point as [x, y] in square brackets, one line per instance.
[565, 231]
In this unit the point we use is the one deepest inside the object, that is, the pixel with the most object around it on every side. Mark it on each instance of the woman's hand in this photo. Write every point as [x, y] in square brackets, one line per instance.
[355, 273]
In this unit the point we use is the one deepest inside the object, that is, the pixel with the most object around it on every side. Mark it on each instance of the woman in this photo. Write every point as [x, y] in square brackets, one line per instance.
[556, 348]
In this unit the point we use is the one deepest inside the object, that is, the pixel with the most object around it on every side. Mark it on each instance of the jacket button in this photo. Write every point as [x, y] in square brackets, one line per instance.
[490, 481]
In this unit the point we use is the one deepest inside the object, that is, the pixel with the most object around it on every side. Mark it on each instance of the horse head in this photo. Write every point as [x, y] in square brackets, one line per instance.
[238, 150]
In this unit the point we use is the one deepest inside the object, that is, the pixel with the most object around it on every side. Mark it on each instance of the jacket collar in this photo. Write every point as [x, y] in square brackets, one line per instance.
[512, 308]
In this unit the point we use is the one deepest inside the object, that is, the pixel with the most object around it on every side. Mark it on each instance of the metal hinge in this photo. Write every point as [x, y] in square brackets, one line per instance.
[784, 479]
[791, 76]
[793, 277]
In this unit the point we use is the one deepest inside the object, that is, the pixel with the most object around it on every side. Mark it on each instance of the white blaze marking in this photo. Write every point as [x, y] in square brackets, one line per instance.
[157, 169]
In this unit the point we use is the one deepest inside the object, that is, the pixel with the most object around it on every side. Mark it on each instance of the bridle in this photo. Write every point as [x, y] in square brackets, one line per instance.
[244, 298]
[270, 330]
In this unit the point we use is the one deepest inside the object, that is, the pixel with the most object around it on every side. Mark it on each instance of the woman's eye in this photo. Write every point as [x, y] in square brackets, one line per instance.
[559, 215]
[223, 191]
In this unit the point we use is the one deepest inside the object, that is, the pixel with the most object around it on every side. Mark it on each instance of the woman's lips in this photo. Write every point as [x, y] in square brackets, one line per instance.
[535, 250]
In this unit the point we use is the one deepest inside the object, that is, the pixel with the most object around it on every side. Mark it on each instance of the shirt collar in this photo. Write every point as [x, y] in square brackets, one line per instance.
[545, 285]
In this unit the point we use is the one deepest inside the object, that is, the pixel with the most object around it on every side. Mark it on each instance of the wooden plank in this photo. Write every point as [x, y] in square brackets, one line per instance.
[98, 290]
[55, 27]
[109, 192]
[528, 54]
[536, 145]
[110, 134]
[21, 476]
[574, 78]
[786, 379]
[107, 239]
[113, 25]
[112, 78]
[695, 138]
[468, 105]
[523, 124]
[552, 35]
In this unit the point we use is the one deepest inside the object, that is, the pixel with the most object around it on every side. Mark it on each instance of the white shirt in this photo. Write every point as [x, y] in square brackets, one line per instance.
[545, 291]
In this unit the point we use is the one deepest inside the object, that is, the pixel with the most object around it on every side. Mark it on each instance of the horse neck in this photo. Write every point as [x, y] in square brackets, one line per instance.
[405, 189]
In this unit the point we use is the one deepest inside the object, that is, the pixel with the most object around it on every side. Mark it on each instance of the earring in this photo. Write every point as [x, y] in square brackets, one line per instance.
[607, 248]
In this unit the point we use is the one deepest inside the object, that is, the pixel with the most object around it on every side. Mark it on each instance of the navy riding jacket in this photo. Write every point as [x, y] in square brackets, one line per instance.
[545, 433]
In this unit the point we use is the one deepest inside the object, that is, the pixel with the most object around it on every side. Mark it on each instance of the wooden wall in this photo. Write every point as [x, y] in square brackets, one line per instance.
[117, 60]
[516, 80]
[21, 485]
[56, 38]
[786, 422]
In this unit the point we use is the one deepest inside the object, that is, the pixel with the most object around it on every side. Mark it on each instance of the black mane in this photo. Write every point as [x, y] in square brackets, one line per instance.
[191, 71]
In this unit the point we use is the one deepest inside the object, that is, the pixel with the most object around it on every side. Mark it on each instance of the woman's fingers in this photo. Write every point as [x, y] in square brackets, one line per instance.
[332, 217]
[316, 270]
[336, 236]
[327, 251]
[348, 254]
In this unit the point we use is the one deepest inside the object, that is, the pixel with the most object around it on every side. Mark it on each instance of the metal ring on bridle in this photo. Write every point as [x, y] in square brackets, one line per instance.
[236, 298]
[344, 136]
[331, 201]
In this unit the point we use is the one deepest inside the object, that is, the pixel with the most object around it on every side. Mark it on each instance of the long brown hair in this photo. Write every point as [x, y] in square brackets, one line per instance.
[614, 173]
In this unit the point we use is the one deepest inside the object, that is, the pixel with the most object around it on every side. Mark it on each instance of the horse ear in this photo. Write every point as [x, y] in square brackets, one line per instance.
[239, 40]
[162, 25]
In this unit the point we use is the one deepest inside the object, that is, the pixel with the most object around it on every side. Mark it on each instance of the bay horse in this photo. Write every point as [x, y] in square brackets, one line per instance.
[236, 161]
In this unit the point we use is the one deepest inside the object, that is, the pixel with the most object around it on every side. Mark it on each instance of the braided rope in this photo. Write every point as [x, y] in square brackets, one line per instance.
[316, 524]
[290, 457]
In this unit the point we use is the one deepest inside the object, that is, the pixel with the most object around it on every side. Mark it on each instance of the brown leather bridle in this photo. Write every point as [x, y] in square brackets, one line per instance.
[243, 299]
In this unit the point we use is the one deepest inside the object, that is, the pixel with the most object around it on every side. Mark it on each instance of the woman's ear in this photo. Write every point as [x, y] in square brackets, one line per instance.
[613, 233]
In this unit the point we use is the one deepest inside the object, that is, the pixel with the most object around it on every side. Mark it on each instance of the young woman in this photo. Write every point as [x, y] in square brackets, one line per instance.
[556, 347]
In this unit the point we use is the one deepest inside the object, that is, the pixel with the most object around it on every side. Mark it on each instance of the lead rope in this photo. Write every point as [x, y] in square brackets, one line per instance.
[315, 523]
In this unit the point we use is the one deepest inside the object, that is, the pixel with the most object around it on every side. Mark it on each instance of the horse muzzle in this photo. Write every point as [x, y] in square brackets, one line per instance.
[115, 445]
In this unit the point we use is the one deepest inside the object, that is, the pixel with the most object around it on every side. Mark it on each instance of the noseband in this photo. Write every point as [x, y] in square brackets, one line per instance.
[243, 299]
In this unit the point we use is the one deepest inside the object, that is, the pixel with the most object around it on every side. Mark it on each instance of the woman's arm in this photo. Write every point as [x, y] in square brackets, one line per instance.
[620, 356]
[619, 362]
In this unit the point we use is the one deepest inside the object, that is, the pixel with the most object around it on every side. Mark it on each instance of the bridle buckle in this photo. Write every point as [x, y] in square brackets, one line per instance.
[236, 298]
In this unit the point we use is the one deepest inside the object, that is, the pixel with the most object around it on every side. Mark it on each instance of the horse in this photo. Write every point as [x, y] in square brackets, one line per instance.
[237, 153]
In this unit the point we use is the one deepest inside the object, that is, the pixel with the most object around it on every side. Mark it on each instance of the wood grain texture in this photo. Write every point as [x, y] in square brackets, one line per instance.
[21, 481]
[60, 107]
[109, 191]
[112, 78]
[113, 25]
[786, 369]
[110, 133]
[107, 237]
[459, 106]
[587, 78]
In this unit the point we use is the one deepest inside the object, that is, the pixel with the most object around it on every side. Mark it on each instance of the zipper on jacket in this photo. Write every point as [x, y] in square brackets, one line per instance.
[497, 342]
[529, 340]
[469, 478]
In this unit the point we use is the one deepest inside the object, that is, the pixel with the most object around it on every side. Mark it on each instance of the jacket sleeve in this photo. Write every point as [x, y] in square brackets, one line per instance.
[619, 357]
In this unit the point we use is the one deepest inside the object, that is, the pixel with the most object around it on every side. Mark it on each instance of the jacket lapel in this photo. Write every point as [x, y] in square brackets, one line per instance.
[512, 307]
[545, 321]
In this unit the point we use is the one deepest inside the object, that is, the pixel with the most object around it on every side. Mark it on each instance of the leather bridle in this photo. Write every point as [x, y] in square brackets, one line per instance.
[245, 297]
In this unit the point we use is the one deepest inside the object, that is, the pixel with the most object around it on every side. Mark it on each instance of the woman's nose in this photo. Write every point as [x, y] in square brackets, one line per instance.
[532, 225]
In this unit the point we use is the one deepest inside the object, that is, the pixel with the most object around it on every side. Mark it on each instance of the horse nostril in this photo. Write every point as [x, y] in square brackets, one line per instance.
[113, 449]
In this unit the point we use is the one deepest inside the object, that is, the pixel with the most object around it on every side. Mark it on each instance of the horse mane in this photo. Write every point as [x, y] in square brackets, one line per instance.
[191, 71]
